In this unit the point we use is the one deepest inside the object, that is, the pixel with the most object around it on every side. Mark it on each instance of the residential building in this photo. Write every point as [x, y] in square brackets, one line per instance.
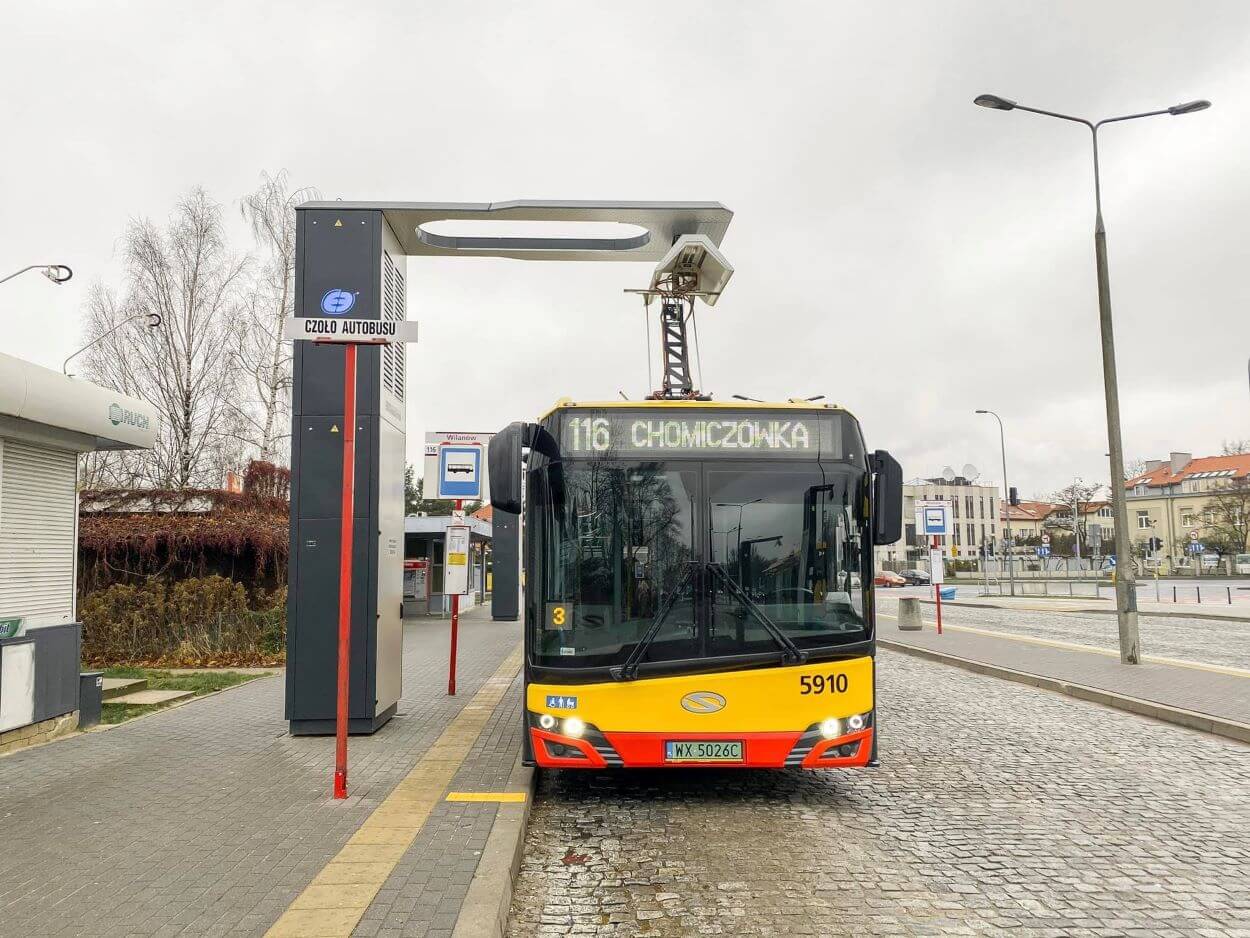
[1175, 498]
[974, 517]
[1030, 520]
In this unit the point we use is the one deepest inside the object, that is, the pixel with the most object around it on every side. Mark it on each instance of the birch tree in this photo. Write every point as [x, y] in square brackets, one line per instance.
[260, 355]
[184, 273]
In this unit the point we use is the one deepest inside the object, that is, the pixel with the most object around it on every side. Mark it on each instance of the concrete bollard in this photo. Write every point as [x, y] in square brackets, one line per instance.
[909, 614]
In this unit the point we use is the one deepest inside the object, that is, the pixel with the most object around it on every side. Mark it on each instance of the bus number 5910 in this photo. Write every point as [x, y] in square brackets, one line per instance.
[820, 684]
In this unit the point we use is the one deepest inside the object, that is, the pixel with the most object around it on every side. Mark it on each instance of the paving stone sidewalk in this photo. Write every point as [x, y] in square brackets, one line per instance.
[1222, 695]
[209, 819]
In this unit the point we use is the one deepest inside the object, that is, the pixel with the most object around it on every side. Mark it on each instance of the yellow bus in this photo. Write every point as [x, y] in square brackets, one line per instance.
[698, 582]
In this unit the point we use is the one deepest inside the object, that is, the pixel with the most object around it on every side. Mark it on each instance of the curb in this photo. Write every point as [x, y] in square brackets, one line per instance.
[484, 912]
[1109, 612]
[1203, 722]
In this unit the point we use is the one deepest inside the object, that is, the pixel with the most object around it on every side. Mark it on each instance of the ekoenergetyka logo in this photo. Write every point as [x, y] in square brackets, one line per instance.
[337, 302]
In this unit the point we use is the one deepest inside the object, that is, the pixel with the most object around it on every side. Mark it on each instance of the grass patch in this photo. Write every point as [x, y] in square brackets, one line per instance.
[197, 682]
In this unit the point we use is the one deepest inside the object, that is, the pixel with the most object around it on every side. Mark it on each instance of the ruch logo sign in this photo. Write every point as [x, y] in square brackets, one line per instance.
[119, 415]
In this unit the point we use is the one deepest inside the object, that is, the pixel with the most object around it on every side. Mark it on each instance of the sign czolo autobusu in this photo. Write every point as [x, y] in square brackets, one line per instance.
[379, 331]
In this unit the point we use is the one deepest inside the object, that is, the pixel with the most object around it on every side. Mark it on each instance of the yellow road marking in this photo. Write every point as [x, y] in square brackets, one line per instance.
[503, 796]
[1076, 646]
[333, 903]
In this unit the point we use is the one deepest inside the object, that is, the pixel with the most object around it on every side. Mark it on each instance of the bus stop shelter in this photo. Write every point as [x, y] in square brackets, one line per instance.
[424, 537]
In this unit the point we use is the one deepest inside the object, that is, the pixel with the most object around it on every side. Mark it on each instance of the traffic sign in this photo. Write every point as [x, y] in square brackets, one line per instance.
[1045, 538]
[1043, 551]
[455, 465]
[1195, 547]
[1193, 535]
[933, 518]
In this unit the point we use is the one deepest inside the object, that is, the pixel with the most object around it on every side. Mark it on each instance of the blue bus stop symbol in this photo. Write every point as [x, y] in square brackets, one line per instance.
[460, 472]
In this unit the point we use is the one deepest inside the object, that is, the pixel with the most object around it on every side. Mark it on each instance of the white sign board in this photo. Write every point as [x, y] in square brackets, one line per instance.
[456, 561]
[372, 331]
[933, 518]
[937, 569]
[455, 465]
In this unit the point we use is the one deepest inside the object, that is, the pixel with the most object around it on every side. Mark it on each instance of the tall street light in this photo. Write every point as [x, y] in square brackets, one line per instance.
[57, 273]
[1125, 585]
[1002, 442]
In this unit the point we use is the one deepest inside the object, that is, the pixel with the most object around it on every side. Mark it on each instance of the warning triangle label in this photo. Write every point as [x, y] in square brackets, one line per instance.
[338, 223]
[334, 428]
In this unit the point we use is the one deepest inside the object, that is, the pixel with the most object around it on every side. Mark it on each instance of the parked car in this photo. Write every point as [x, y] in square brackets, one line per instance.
[888, 578]
[915, 577]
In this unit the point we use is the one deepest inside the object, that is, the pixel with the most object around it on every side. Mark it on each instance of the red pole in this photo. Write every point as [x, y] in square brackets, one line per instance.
[937, 593]
[345, 569]
[455, 627]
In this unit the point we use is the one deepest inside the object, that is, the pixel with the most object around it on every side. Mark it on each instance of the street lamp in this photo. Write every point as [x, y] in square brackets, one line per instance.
[57, 273]
[1125, 586]
[154, 320]
[1002, 442]
[739, 506]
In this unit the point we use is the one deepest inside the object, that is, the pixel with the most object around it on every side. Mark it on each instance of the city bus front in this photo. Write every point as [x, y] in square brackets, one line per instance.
[699, 586]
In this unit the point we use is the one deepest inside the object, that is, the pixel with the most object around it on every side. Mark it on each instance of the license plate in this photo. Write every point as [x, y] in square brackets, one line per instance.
[693, 750]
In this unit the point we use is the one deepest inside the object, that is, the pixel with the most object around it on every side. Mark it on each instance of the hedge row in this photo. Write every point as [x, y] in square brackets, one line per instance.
[196, 622]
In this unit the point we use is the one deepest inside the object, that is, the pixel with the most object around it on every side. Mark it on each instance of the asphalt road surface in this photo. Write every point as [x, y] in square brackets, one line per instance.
[998, 809]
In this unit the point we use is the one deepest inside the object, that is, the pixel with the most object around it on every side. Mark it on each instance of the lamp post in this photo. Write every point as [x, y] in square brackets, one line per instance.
[57, 273]
[154, 320]
[1125, 585]
[1002, 442]
[739, 506]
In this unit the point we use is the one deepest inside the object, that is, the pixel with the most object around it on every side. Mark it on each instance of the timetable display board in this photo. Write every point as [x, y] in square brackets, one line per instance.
[713, 432]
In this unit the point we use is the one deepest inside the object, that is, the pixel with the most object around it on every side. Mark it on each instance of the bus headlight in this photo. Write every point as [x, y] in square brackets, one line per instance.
[546, 721]
[574, 727]
[831, 728]
[856, 721]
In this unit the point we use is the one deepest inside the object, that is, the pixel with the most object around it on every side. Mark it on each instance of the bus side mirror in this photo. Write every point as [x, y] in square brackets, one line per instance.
[503, 459]
[887, 498]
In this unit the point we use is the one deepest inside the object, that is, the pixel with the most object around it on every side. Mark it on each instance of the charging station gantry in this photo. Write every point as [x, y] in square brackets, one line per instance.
[351, 263]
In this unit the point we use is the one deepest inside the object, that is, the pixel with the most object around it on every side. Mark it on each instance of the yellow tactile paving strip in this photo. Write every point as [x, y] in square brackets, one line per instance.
[508, 797]
[333, 903]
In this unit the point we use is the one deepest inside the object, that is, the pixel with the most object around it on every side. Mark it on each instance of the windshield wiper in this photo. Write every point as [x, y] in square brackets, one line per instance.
[790, 652]
[629, 670]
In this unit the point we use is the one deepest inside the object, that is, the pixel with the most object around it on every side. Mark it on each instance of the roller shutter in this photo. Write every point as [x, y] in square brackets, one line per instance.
[38, 532]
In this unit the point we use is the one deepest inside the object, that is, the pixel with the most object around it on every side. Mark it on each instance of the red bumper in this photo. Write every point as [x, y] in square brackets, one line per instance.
[646, 750]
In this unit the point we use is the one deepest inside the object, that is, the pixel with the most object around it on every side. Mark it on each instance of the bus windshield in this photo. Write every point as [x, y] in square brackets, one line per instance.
[721, 555]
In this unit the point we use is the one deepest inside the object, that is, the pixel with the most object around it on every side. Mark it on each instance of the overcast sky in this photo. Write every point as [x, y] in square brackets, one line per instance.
[907, 254]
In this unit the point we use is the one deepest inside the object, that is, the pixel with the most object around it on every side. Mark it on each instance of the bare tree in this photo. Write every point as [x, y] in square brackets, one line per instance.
[258, 350]
[185, 274]
[1134, 467]
[1076, 498]
[1227, 516]
[1236, 447]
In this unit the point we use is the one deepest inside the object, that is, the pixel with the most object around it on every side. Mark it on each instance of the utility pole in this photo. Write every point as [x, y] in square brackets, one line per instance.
[1125, 585]
[1007, 543]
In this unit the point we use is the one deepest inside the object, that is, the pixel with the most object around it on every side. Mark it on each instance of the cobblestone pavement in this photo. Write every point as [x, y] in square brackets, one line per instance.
[998, 809]
[1209, 641]
[208, 819]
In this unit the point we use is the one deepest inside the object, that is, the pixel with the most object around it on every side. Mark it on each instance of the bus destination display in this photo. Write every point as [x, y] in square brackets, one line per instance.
[748, 433]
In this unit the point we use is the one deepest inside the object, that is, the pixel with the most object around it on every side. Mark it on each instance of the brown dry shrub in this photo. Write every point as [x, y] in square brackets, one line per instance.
[195, 622]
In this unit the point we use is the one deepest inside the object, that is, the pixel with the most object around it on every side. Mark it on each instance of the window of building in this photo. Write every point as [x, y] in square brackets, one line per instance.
[1189, 519]
[972, 533]
[955, 507]
[957, 540]
[1208, 516]
[1143, 520]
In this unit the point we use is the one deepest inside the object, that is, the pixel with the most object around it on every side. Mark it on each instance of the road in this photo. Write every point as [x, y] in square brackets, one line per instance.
[1209, 641]
[998, 808]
